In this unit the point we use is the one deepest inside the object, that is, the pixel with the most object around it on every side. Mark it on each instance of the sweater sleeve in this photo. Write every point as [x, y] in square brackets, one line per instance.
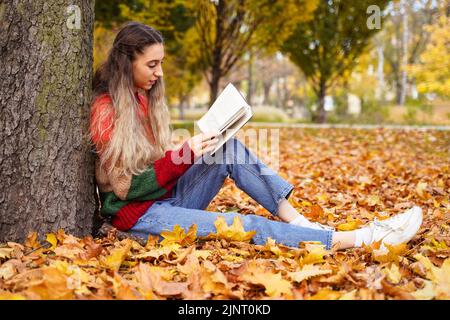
[156, 180]
[161, 176]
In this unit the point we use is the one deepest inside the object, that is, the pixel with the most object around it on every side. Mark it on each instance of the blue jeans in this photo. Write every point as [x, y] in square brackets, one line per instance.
[202, 181]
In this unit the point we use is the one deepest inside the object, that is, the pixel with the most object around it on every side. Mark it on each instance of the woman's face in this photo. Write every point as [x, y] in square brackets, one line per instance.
[147, 67]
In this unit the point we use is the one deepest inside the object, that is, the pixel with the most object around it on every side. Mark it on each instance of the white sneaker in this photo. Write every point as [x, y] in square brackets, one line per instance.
[302, 222]
[319, 226]
[397, 229]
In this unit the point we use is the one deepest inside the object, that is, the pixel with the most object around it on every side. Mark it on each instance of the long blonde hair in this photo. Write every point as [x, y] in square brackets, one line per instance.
[130, 148]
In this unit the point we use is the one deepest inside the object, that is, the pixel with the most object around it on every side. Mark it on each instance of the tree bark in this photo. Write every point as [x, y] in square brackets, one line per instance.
[181, 105]
[320, 115]
[217, 56]
[214, 85]
[380, 72]
[47, 168]
[250, 77]
[267, 85]
[404, 54]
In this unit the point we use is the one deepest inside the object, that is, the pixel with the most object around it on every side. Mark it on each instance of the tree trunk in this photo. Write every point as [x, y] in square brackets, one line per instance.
[250, 78]
[380, 72]
[216, 70]
[267, 85]
[47, 169]
[320, 115]
[181, 106]
[214, 85]
[404, 55]
[277, 83]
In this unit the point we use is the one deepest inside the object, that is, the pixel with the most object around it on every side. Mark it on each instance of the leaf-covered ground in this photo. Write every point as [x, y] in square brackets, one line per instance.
[343, 177]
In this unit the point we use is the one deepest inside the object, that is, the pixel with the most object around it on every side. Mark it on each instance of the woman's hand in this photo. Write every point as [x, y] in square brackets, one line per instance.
[203, 143]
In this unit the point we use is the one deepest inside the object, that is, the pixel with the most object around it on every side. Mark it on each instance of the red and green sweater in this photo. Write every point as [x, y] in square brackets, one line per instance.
[126, 198]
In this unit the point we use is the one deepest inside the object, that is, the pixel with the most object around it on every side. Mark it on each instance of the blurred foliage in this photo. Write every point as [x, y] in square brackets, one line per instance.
[175, 21]
[327, 47]
[172, 19]
[269, 114]
[433, 71]
[208, 43]
[228, 29]
[190, 114]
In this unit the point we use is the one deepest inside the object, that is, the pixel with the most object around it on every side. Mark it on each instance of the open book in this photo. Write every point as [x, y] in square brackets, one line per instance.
[228, 114]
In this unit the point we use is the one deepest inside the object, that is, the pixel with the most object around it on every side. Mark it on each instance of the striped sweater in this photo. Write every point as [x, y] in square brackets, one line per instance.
[125, 198]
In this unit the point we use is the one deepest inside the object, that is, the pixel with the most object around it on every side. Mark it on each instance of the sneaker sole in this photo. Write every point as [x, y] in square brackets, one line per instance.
[415, 219]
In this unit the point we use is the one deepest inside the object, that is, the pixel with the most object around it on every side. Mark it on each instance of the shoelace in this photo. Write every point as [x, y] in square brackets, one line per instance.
[323, 227]
[384, 224]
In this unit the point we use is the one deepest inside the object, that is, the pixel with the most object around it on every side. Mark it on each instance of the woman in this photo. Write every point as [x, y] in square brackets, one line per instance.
[144, 191]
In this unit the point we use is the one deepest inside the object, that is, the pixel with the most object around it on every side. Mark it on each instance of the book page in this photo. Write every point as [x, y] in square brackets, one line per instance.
[224, 110]
[227, 115]
[233, 129]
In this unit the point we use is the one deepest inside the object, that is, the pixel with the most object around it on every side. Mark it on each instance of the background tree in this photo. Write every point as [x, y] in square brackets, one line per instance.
[45, 89]
[433, 70]
[227, 29]
[328, 45]
[174, 21]
[405, 38]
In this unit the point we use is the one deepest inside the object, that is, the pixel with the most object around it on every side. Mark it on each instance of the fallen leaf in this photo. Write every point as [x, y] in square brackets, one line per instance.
[51, 238]
[275, 285]
[235, 232]
[351, 295]
[117, 256]
[5, 253]
[179, 236]
[426, 293]
[326, 294]
[393, 273]
[308, 271]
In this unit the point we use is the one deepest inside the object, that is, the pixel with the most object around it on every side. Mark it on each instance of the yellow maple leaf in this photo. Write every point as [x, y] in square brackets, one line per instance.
[306, 203]
[392, 253]
[373, 200]
[152, 241]
[11, 296]
[158, 252]
[202, 254]
[326, 294]
[426, 293]
[278, 251]
[213, 280]
[420, 189]
[144, 280]
[351, 295]
[272, 247]
[117, 256]
[31, 241]
[439, 276]
[235, 232]
[393, 273]
[322, 198]
[123, 290]
[349, 225]
[273, 282]
[436, 246]
[51, 285]
[51, 238]
[308, 271]
[179, 236]
[5, 253]
[315, 255]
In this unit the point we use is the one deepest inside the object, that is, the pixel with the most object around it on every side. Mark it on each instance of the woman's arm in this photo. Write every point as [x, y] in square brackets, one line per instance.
[156, 180]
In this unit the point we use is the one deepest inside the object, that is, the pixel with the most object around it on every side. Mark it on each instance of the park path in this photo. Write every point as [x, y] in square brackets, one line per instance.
[344, 126]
